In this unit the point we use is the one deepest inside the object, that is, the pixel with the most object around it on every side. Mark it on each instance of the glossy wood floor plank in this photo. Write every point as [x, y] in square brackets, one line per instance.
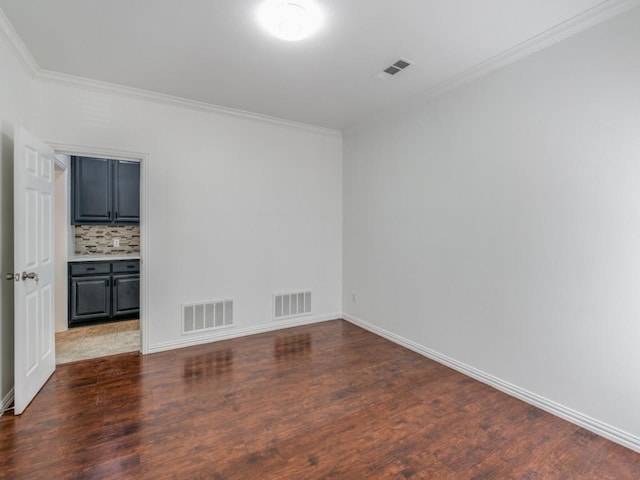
[323, 401]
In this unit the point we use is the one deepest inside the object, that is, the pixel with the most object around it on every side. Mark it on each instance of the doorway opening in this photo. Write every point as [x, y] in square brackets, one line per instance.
[97, 272]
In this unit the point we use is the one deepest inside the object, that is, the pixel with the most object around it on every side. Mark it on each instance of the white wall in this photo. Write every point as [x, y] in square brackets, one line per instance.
[15, 109]
[237, 207]
[499, 225]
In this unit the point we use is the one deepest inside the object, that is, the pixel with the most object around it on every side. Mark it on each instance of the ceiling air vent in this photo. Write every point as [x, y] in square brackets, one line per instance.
[395, 68]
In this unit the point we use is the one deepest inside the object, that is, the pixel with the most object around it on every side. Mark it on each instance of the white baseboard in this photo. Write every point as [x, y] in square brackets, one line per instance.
[7, 401]
[241, 332]
[607, 431]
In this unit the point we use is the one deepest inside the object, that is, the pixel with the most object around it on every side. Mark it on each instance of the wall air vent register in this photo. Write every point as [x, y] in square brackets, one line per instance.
[292, 304]
[205, 316]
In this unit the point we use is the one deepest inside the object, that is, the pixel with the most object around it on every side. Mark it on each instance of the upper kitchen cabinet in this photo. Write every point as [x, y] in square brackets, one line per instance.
[126, 192]
[105, 192]
[92, 190]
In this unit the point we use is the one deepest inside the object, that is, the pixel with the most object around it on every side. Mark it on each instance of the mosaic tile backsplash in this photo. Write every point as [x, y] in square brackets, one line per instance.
[98, 239]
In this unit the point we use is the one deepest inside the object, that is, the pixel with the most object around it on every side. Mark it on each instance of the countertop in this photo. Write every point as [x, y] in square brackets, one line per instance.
[103, 258]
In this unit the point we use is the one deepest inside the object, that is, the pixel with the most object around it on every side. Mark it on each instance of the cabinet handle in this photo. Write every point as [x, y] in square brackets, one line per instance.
[131, 266]
[90, 268]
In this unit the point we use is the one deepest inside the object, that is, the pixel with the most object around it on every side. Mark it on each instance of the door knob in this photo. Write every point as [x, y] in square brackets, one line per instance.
[31, 275]
[12, 276]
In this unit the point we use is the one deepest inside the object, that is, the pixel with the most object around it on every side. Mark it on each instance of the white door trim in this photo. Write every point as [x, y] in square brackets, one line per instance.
[63, 234]
[69, 149]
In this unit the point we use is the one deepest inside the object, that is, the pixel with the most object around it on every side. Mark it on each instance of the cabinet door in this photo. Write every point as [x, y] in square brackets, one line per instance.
[89, 298]
[126, 294]
[91, 190]
[126, 191]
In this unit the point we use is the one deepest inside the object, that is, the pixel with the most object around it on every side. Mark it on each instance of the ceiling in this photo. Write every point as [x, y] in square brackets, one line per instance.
[213, 50]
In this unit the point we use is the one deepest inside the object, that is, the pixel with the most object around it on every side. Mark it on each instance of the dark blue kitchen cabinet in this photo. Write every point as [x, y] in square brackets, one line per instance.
[92, 190]
[126, 192]
[90, 299]
[105, 192]
[103, 291]
[126, 294]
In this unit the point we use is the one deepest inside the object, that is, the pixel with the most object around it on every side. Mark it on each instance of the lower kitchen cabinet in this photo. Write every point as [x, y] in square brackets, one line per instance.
[101, 291]
[126, 294]
[90, 298]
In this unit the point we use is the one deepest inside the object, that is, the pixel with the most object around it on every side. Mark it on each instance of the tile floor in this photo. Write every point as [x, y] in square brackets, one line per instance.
[81, 343]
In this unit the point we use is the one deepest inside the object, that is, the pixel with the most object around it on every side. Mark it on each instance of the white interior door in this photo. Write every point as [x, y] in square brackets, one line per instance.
[35, 353]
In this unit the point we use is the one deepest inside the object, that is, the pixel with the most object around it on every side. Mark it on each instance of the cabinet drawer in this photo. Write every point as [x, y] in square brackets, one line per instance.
[126, 266]
[89, 268]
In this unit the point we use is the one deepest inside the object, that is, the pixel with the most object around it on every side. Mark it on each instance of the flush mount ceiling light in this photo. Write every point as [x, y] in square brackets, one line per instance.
[291, 20]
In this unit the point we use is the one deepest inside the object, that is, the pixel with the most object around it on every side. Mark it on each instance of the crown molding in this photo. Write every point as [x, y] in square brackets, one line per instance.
[15, 43]
[598, 14]
[587, 19]
[577, 24]
[136, 93]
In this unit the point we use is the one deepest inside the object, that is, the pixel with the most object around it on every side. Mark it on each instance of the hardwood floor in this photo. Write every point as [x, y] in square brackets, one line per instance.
[323, 401]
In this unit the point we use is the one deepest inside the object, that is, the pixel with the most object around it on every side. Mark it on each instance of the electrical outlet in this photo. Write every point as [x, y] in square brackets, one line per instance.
[116, 242]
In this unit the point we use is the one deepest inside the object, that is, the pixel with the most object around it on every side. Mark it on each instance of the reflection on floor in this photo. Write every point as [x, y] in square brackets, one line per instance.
[80, 343]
